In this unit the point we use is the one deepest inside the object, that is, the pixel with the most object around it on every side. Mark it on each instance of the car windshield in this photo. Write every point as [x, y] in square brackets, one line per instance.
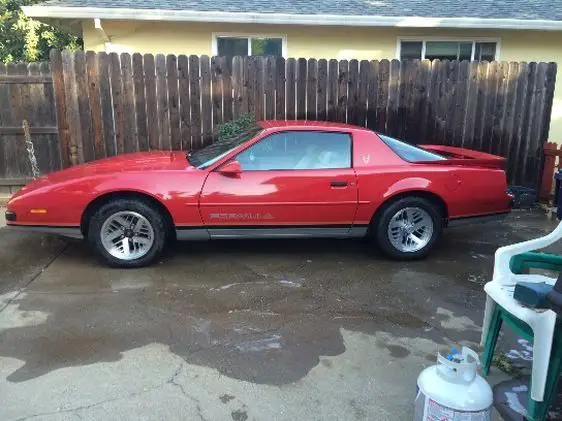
[408, 152]
[210, 154]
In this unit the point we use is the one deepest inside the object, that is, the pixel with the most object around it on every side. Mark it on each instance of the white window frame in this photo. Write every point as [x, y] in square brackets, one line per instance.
[424, 39]
[217, 35]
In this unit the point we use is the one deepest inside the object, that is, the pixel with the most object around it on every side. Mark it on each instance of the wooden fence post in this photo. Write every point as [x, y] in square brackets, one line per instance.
[60, 100]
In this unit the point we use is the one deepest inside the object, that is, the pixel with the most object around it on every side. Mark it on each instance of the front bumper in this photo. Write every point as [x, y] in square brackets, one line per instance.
[69, 232]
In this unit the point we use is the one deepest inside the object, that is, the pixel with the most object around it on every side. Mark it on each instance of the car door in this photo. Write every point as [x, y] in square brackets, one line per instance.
[291, 183]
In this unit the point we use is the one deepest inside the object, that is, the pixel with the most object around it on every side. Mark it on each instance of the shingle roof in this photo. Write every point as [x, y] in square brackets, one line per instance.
[495, 9]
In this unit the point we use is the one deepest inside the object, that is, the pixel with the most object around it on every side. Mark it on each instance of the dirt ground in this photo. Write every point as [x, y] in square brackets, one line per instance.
[255, 330]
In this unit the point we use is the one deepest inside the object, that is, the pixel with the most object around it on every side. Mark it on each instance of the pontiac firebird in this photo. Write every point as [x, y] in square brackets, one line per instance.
[280, 179]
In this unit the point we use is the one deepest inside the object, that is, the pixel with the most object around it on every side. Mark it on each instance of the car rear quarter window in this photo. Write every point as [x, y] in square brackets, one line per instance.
[409, 152]
[298, 150]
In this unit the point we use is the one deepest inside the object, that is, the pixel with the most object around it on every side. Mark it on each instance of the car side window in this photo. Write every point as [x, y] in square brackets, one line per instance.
[298, 150]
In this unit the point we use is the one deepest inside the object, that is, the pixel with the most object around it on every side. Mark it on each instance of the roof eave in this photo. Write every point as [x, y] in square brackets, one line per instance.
[60, 12]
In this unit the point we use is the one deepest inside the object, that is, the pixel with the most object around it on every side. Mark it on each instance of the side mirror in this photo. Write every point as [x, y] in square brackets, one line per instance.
[231, 169]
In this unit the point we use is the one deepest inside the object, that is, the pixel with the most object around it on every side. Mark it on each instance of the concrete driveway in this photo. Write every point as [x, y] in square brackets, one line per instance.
[277, 330]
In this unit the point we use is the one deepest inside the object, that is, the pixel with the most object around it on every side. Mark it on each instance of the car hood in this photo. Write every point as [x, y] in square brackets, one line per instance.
[133, 162]
[141, 161]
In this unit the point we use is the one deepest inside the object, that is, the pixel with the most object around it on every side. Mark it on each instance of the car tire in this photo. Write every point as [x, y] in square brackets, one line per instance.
[135, 222]
[408, 228]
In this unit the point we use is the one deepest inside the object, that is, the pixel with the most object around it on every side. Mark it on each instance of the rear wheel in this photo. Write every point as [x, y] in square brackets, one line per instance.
[127, 233]
[408, 228]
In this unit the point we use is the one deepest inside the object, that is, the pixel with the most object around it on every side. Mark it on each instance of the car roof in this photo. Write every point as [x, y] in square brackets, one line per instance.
[307, 124]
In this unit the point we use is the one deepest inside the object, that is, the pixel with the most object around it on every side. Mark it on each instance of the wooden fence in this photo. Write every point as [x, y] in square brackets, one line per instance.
[26, 92]
[109, 104]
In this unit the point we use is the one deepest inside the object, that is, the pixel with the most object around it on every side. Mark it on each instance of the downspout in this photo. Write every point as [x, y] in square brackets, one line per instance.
[102, 34]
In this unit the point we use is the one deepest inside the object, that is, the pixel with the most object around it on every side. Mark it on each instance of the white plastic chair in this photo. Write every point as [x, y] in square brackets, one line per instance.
[500, 292]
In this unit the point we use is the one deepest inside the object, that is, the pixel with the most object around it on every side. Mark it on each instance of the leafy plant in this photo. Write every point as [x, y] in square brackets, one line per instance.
[235, 127]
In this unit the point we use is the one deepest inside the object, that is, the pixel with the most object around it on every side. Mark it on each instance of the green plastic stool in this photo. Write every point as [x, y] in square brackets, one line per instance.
[519, 264]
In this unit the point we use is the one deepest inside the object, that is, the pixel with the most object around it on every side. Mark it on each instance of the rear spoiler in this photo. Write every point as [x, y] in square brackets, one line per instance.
[467, 157]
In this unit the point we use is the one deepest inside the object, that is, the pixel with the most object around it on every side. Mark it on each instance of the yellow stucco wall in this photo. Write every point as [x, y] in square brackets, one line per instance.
[323, 42]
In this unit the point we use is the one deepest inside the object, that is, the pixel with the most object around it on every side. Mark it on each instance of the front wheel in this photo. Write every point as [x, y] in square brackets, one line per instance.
[408, 228]
[127, 233]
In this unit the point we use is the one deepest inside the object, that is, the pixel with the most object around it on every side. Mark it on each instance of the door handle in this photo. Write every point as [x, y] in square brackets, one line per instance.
[337, 183]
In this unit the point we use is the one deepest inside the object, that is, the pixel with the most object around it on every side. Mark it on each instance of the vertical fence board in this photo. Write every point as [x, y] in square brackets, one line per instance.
[14, 101]
[86, 146]
[526, 122]
[549, 97]
[514, 167]
[237, 86]
[352, 92]
[269, 87]
[162, 102]
[291, 81]
[311, 87]
[509, 115]
[151, 103]
[173, 102]
[195, 98]
[479, 123]
[425, 95]
[130, 133]
[534, 151]
[461, 99]
[332, 90]
[259, 99]
[382, 95]
[472, 95]
[206, 106]
[343, 84]
[73, 114]
[499, 109]
[118, 104]
[321, 90]
[51, 116]
[216, 90]
[393, 99]
[226, 71]
[185, 116]
[106, 104]
[492, 97]
[251, 83]
[372, 94]
[92, 66]
[140, 102]
[402, 99]
[363, 92]
[60, 89]
[280, 81]
[22, 165]
[301, 88]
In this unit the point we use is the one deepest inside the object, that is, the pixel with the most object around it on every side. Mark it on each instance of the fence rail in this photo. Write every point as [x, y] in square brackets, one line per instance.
[107, 104]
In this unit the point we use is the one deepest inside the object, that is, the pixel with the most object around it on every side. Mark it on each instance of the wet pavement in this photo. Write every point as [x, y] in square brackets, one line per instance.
[253, 330]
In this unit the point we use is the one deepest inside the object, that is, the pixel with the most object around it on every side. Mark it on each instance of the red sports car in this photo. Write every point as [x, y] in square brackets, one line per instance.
[281, 179]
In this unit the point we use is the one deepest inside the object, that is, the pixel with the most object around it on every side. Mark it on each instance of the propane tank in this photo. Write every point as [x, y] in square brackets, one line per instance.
[452, 390]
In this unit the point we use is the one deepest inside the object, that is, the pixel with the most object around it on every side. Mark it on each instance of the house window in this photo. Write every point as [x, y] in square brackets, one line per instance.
[235, 45]
[448, 50]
